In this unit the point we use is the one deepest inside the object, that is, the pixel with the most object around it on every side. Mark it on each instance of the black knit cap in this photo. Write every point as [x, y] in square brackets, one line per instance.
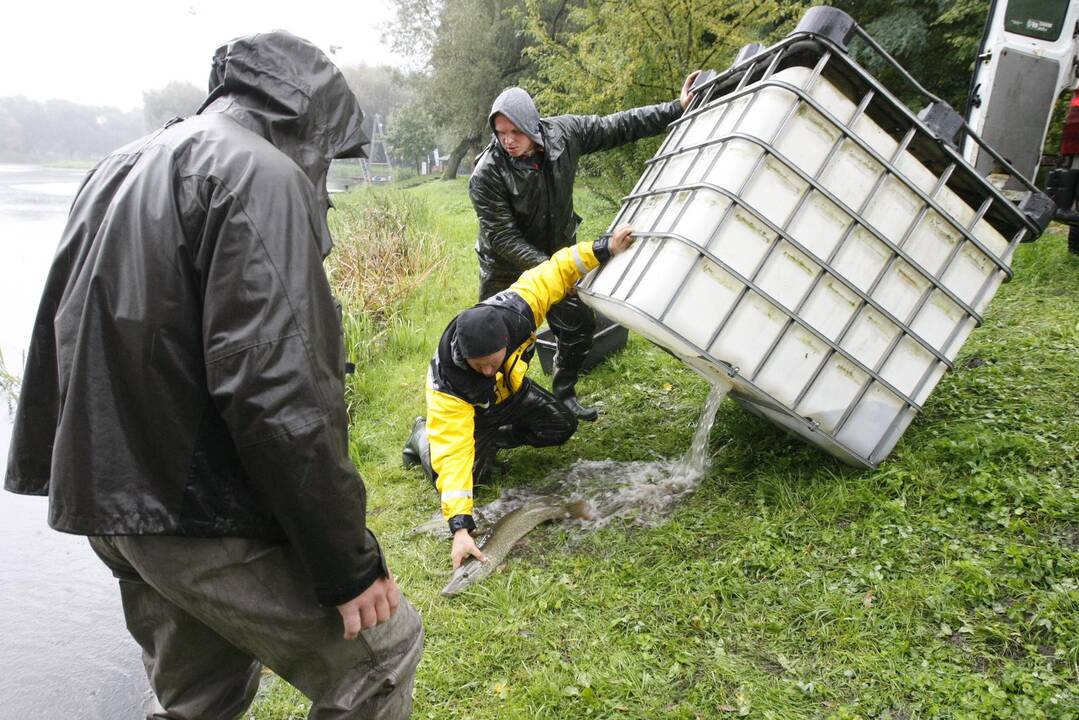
[481, 331]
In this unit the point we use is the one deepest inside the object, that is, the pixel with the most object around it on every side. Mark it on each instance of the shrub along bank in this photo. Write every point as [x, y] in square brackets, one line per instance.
[942, 584]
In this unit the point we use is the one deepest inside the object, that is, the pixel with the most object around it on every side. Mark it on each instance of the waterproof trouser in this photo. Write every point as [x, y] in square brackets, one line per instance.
[532, 417]
[572, 323]
[209, 613]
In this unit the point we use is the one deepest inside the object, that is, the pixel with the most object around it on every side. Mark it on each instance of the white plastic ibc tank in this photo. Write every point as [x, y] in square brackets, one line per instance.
[793, 246]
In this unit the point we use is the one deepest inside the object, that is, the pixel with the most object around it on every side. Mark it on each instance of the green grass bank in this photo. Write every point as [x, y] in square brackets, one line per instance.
[944, 584]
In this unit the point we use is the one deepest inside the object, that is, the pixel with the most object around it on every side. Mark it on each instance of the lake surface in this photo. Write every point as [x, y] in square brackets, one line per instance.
[64, 650]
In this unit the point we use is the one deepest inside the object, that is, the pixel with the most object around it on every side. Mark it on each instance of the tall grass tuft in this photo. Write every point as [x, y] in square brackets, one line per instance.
[383, 250]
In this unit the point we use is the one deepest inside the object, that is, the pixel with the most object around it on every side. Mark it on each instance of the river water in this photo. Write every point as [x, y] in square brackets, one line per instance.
[64, 650]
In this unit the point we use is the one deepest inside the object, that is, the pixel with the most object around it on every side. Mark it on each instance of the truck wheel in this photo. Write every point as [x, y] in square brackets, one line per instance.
[1073, 239]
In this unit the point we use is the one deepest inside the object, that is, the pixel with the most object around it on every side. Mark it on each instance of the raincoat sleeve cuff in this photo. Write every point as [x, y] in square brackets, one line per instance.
[601, 249]
[461, 521]
[331, 596]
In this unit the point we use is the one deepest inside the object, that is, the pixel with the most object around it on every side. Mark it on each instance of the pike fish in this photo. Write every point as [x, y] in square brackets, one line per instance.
[506, 532]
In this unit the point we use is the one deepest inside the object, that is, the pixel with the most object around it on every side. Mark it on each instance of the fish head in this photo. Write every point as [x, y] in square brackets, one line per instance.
[462, 577]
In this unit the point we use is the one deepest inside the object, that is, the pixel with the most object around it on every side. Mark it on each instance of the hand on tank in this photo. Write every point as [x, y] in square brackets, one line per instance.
[463, 547]
[686, 96]
[373, 606]
[621, 240]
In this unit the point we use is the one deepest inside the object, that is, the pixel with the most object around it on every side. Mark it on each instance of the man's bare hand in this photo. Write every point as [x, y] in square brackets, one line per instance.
[373, 606]
[621, 240]
[686, 96]
[463, 547]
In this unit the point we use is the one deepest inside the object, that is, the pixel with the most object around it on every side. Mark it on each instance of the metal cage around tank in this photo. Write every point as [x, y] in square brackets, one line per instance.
[806, 237]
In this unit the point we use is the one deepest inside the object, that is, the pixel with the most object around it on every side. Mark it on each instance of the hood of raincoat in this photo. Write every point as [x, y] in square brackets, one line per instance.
[286, 90]
[517, 105]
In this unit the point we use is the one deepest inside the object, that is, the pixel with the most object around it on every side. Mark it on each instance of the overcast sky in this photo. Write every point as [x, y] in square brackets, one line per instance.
[106, 52]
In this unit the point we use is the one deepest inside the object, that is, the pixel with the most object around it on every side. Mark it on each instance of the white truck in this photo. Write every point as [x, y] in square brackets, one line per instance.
[1029, 55]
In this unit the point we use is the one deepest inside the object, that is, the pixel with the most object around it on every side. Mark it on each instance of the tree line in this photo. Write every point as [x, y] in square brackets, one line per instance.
[573, 56]
[599, 56]
[60, 131]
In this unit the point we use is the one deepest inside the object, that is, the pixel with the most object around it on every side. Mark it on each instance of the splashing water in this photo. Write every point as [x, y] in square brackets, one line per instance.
[639, 492]
[643, 492]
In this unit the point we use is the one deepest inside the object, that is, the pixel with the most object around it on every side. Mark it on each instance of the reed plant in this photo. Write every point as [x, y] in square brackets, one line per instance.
[9, 385]
[384, 249]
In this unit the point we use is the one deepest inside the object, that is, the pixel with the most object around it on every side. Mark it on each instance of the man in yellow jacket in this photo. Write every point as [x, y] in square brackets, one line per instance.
[478, 398]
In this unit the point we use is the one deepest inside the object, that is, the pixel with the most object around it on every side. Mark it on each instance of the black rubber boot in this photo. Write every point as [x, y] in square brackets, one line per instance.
[564, 387]
[417, 451]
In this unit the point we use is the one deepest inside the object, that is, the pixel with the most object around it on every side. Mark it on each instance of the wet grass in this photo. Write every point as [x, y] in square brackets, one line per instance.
[944, 584]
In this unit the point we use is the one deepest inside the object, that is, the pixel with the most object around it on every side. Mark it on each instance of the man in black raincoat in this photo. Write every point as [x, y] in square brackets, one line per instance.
[183, 401]
[522, 190]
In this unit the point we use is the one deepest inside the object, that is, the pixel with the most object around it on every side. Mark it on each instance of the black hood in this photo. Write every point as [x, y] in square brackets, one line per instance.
[286, 90]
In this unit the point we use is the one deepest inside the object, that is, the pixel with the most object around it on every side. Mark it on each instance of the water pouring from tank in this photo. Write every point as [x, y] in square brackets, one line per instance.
[642, 493]
[811, 241]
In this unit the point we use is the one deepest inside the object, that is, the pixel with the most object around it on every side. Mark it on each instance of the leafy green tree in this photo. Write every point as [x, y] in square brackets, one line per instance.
[476, 54]
[604, 56]
[472, 49]
[382, 91]
[936, 41]
[410, 135]
[177, 99]
[413, 32]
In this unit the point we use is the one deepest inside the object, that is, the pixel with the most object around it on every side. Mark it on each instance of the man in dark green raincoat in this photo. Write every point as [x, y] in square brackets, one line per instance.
[183, 401]
[522, 190]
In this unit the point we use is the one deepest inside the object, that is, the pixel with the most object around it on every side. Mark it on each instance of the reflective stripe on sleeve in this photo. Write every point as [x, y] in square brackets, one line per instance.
[581, 267]
[456, 494]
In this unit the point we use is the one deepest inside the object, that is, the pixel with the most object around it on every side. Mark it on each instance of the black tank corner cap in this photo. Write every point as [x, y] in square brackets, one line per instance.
[1040, 208]
[827, 22]
[943, 120]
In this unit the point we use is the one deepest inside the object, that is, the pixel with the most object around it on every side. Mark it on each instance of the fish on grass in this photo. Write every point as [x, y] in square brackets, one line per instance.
[506, 532]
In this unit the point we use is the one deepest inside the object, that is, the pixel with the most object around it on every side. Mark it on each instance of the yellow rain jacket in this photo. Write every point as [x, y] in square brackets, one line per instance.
[456, 393]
